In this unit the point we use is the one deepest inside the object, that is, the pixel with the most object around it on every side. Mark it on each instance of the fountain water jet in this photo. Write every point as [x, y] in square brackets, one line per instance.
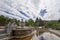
[49, 36]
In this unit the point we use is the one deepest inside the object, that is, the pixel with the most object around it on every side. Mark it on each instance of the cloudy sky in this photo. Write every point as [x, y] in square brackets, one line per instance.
[26, 9]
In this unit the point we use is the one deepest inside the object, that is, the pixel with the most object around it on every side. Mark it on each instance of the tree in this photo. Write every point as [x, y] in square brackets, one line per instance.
[52, 24]
[59, 20]
[30, 22]
[37, 20]
[5, 20]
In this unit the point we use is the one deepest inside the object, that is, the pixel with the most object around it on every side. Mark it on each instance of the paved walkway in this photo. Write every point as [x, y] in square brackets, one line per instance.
[56, 32]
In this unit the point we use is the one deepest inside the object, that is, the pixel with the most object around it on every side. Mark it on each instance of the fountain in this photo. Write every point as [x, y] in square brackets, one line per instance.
[24, 33]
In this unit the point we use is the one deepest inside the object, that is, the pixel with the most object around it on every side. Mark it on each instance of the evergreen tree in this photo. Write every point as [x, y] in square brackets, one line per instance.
[59, 20]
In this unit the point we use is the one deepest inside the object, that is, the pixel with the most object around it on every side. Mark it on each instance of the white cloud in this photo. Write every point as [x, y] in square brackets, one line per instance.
[8, 15]
[32, 8]
[53, 7]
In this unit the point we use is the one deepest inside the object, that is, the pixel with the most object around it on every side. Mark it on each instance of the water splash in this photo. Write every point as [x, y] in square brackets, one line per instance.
[35, 36]
[45, 36]
[49, 36]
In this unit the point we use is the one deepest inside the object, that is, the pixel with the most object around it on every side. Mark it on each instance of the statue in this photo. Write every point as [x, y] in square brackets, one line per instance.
[9, 27]
[22, 23]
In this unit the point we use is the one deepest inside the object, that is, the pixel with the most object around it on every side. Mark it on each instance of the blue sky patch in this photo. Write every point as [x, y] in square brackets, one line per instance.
[42, 12]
